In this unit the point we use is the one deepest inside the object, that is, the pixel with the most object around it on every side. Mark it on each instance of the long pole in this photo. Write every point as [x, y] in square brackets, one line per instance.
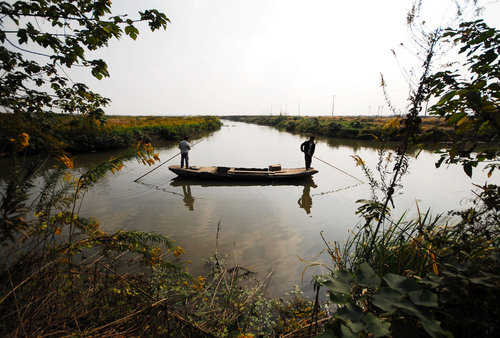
[137, 179]
[331, 165]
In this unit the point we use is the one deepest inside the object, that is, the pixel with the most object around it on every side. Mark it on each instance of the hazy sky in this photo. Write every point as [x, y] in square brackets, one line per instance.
[265, 56]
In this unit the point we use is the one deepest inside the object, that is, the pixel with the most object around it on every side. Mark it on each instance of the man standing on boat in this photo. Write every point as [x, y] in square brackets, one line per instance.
[308, 149]
[184, 146]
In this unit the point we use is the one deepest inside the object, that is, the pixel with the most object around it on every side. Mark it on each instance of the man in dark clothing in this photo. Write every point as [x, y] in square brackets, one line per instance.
[308, 149]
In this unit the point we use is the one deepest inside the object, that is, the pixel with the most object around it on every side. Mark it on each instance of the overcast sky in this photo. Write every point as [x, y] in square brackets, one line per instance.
[266, 56]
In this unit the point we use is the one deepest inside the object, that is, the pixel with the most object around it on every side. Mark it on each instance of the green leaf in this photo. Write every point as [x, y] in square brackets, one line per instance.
[376, 326]
[346, 332]
[401, 283]
[440, 161]
[456, 117]
[340, 283]
[468, 169]
[424, 298]
[432, 327]
[339, 298]
[132, 31]
[350, 313]
[365, 276]
[484, 281]
[447, 97]
[386, 298]
[358, 326]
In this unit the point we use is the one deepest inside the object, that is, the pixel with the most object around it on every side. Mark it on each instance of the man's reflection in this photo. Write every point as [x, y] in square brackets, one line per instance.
[305, 201]
[188, 198]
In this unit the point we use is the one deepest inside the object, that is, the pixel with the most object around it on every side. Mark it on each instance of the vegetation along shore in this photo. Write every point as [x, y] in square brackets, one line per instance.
[433, 129]
[75, 133]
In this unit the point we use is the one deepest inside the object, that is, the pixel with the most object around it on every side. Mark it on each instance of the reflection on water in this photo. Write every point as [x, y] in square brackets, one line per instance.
[188, 198]
[305, 201]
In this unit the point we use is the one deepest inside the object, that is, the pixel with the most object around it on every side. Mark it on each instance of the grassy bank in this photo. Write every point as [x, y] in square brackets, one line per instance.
[351, 127]
[82, 134]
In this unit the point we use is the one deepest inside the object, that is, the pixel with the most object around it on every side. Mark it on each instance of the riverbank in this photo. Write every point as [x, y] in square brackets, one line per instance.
[434, 129]
[77, 134]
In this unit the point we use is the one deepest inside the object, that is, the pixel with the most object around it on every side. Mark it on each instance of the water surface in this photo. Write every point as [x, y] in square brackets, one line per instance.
[262, 227]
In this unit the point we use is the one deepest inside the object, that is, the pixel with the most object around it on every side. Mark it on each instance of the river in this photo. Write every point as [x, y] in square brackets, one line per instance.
[263, 227]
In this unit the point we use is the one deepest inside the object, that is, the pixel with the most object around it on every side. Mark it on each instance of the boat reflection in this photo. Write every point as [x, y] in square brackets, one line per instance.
[304, 202]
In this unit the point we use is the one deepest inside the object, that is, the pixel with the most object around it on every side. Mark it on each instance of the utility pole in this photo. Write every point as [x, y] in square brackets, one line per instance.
[333, 105]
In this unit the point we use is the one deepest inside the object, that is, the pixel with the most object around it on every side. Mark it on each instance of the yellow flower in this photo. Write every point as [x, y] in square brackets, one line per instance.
[148, 148]
[67, 161]
[23, 140]
[67, 177]
[178, 251]
[392, 123]
[359, 160]
[156, 156]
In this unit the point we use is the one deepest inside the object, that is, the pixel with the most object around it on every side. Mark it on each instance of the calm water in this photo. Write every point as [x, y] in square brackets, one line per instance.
[262, 227]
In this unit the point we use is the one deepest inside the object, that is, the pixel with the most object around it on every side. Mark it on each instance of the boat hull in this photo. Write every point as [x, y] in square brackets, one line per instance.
[242, 174]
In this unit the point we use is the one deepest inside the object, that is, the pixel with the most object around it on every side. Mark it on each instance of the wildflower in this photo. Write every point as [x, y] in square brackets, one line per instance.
[392, 123]
[148, 148]
[23, 140]
[359, 160]
[156, 156]
[201, 281]
[178, 251]
[67, 177]
[66, 161]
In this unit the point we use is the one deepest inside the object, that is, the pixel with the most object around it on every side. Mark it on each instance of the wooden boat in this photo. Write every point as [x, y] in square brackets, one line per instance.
[197, 182]
[273, 173]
